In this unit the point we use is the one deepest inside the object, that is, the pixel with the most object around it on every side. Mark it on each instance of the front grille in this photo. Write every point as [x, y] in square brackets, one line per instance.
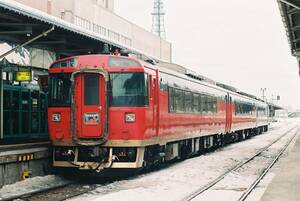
[93, 154]
[64, 153]
[125, 154]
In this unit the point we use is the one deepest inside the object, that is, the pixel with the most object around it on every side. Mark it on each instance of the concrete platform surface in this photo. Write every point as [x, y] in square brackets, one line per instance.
[21, 161]
[285, 186]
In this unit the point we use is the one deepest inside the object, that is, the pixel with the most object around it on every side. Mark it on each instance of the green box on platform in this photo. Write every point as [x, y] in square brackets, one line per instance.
[24, 113]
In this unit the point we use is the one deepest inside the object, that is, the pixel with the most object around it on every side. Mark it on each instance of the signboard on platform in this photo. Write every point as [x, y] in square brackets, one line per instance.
[23, 76]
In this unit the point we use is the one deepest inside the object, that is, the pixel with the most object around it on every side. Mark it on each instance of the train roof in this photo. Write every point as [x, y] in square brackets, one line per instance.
[194, 75]
[171, 69]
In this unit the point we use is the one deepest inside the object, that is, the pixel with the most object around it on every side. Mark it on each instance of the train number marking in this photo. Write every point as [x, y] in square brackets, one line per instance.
[91, 118]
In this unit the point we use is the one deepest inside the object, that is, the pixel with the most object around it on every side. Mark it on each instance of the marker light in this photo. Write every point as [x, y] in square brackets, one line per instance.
[56, 117]
[129, 117]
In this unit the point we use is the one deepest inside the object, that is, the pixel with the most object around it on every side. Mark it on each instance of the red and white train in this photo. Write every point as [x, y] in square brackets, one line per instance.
[110, 111]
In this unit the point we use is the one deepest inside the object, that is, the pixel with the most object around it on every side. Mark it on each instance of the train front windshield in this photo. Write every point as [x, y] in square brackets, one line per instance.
[128, 89]
[60, 90]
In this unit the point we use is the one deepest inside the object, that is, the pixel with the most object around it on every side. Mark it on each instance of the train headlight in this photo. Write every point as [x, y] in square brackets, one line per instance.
[129, 117]
[56, 117]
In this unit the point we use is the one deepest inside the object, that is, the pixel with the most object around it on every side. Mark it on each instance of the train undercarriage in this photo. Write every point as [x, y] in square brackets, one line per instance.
[143, 157]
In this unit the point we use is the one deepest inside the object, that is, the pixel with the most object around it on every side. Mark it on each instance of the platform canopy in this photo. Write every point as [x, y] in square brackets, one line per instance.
[290, 12]
[20, 23]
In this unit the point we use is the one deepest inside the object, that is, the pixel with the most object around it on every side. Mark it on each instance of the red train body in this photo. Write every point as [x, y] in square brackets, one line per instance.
[118, 112]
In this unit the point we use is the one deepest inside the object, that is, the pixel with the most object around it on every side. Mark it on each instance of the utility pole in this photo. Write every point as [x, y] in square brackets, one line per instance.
[158, 25]
[263, 90]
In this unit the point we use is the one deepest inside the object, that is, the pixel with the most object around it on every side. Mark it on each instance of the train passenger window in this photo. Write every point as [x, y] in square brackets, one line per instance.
[237, 107]
[171, 100]
[243, 108]
[91, 90]
[129, 89]
[200, 104]
[240, 108]
[196, 103]
[209, 104]
[163, 85]
[203, 104]
[179, 100]
[122, 62]
[215, 102]
[188, 101]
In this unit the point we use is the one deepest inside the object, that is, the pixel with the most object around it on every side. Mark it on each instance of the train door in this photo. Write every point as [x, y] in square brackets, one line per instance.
[229, 109]
[256, 115]
[153, 106]
[90, 105]
[230, 113]
[227, 113]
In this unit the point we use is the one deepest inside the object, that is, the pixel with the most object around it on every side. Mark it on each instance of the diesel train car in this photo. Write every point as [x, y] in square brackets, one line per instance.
[108, 111]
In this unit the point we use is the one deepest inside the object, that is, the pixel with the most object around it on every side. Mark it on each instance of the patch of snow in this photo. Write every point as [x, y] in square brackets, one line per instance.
[181, 179]
[31, 185]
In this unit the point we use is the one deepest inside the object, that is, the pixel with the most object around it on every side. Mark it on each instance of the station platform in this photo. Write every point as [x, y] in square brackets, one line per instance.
[20, 161]
[285, 186]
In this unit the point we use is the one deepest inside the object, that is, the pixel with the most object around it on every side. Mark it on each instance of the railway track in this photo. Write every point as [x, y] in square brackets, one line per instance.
[74, 189]
[60, 194]
[247, 192]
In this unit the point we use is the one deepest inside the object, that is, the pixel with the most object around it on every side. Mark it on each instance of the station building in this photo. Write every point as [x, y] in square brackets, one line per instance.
[98, 16]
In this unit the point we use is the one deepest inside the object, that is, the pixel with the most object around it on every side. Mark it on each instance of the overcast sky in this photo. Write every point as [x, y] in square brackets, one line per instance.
[239, 42]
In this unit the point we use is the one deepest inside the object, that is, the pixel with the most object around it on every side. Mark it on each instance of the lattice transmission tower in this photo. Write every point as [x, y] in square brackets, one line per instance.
[158, 24]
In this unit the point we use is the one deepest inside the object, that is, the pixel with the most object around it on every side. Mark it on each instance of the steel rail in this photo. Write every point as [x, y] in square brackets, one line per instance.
[49, 191]
[34, 192]
[234, 168]
[267, 169]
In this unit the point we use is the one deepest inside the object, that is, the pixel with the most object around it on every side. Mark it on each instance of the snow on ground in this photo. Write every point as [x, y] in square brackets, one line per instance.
[183, 178]
[31, 185]
[172, 183]
[263, 184]
[236, 183]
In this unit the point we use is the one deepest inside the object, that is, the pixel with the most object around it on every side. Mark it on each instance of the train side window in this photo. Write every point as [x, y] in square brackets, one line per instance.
[236, 108]
[196, 103]
[241, 108]
[200, 104]
[203, 104]
[163, 85]
[215, 102]
[171, 99]
[209, 104]
[188, 101]
[91, 90]
[179, 100]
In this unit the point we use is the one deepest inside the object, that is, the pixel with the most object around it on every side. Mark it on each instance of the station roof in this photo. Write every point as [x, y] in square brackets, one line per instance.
[290, 12]
[20, 23]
